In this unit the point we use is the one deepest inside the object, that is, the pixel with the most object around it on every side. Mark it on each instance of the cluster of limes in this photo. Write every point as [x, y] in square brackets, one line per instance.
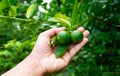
[65, 37]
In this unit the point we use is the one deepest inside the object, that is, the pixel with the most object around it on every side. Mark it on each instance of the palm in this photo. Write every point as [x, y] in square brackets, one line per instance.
[52, 64]
[46, 54]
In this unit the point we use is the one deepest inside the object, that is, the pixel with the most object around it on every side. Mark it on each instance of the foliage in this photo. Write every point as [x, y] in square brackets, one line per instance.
[100, 57]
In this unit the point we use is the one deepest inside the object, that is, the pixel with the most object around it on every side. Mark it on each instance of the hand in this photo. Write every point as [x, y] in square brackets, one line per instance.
[42, 59]
[46, 54]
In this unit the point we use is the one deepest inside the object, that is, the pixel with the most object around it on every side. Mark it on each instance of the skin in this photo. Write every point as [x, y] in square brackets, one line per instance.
[42, 59]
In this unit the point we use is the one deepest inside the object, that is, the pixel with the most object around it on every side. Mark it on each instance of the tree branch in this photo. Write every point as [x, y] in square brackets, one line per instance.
[19, 19]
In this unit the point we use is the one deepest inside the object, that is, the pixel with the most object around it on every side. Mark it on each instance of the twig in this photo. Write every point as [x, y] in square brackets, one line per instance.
[19, 19]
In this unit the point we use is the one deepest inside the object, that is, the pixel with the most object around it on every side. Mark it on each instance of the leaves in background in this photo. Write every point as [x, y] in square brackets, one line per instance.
[4, 7]
[12, 1]
[31, 10]
[100, 55]
[13, 11]
[75, 13]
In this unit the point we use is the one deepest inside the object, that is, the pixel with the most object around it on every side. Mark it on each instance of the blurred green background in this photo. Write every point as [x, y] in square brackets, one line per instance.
[18, 33]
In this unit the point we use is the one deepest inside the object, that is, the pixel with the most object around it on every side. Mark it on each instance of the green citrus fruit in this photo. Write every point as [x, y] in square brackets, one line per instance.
[76, 36]
[63, 37]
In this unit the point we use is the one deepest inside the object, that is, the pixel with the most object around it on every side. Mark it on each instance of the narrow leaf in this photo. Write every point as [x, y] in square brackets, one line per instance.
[60, 50]
[84, 20]
[74, 13]
[63, 20]
[31, 9]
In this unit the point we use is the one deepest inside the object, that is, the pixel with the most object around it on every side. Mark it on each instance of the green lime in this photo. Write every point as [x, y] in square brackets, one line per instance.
[76, 36]
[63, 37]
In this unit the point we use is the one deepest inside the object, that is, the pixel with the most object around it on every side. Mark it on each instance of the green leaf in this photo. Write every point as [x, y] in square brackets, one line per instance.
[13, 11]
[63, 20]
[12, 1]
[31, 10]
[60, 50]
[75, 12]
[84, 20]
[4, 7]
[5, 53]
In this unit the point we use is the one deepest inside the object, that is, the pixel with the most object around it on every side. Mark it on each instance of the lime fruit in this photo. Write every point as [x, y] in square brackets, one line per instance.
[76, 36]
[63, 37]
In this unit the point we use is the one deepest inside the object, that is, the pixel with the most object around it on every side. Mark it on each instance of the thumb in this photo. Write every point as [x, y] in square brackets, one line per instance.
[52, 32]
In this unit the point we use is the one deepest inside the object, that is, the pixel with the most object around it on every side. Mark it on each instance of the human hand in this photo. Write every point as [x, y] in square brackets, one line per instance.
[46, 54]
[42, 59]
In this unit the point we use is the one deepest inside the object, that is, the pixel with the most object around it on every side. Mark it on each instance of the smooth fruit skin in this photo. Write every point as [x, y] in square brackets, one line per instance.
[76, 36]
[63, 37]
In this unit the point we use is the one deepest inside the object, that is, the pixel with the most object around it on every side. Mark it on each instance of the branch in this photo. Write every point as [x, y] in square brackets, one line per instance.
[19, 19]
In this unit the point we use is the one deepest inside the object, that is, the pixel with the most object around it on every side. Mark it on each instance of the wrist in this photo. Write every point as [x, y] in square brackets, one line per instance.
[32, 65]
[28, 67]
[36, 69]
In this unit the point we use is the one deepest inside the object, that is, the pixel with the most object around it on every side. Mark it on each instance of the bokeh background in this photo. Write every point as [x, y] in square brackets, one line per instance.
[18, 33]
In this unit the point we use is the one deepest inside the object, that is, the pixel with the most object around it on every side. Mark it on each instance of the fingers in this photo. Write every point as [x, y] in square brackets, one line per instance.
[74, 48]
[77, 47]
[52, 32]
[70, 54]
[81, 29]
[66, 57]
[86, 33]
